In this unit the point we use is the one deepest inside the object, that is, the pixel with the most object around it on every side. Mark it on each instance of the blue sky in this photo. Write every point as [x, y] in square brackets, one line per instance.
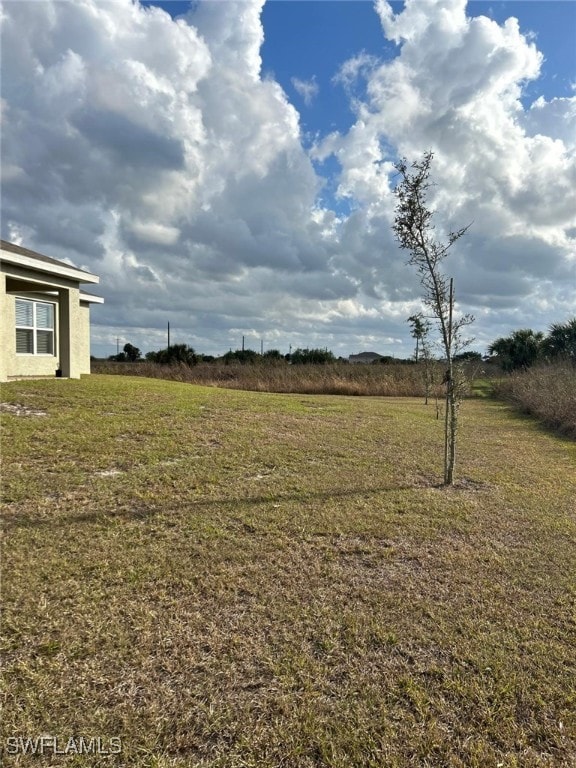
[312, 38]
[228, 166]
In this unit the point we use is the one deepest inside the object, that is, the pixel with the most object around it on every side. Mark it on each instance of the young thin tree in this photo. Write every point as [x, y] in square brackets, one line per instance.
[420, 331]
[414, 230]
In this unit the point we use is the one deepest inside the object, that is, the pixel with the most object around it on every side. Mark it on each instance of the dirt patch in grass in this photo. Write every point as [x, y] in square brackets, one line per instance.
[280, 581]
[16, 409]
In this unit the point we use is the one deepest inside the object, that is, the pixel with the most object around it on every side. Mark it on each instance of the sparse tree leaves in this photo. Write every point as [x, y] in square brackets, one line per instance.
[415, 232]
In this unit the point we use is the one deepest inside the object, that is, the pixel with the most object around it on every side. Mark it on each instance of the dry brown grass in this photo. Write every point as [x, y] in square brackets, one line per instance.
[393, 380]
[546, 392]
[226, 579]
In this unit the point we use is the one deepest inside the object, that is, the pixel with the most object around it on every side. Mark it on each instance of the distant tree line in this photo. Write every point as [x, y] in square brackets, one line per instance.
[520, 350]
[298, 357]
[183, 354]
[176, 353]
[525, 347]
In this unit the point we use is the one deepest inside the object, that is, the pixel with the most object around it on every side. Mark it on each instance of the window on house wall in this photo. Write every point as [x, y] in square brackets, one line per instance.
[34, 327]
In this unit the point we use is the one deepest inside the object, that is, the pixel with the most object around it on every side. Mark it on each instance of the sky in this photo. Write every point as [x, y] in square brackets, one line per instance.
[227, 166]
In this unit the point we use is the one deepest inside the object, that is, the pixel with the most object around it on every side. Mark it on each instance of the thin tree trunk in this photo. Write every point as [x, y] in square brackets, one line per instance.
[447, 431]
[453, 431]
[451, 422]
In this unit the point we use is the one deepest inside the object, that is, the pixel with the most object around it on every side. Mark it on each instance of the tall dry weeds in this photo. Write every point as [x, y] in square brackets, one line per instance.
[547, 392]
[395, 380]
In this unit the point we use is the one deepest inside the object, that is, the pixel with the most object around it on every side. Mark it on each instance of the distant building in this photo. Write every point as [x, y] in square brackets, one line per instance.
[44, 316]
[365, 357]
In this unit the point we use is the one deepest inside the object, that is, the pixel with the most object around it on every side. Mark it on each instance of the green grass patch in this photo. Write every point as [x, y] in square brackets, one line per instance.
[232, 579]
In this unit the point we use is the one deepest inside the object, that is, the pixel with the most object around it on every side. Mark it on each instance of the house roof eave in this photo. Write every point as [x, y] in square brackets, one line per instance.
[23, 257]
[89, 298]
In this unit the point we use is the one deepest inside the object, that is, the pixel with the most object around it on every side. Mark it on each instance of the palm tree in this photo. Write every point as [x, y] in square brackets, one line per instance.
[520, 350]
[173, 355]
[561, 340]
[132, 353]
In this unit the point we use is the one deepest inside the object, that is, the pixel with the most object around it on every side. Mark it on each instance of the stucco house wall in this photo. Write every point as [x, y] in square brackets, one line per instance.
[34, 277]
[84, 336]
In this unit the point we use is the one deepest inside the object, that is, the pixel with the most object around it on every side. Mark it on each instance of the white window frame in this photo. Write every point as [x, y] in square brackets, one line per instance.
[35, 328]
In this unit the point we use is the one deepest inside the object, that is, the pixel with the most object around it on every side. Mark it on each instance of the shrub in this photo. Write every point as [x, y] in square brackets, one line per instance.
[174, 354]
[273, 354]
[241, 356]
[545, 391]
[307, 356]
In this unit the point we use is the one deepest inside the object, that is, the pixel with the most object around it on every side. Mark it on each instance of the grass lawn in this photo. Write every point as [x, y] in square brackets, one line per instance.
[239, 579]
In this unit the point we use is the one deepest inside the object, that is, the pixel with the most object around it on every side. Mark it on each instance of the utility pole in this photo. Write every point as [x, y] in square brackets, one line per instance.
[261, 346]
[168, 334]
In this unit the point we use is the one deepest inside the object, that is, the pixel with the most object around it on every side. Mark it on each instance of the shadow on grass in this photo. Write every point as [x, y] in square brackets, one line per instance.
[144, 512]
